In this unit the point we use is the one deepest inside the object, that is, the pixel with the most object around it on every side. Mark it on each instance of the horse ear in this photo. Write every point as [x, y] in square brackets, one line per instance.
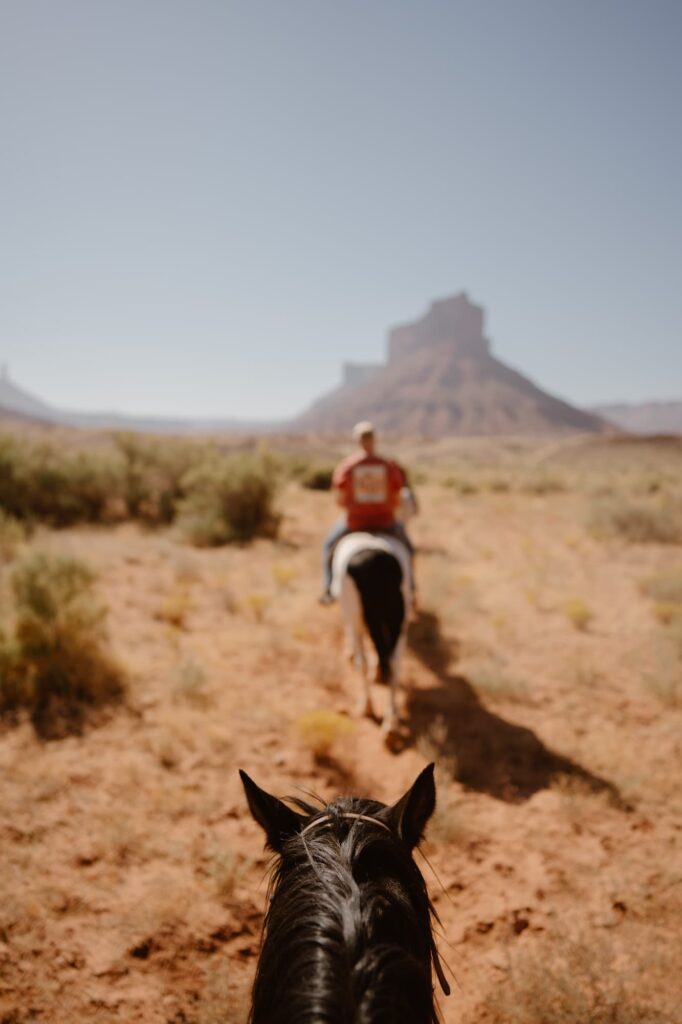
[412, 811]
[276, 819]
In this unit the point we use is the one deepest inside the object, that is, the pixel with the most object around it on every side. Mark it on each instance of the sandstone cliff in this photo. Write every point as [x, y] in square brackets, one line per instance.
[441, 379]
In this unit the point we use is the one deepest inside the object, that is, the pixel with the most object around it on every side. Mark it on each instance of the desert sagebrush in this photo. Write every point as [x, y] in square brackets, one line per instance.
[230, 500]
[635, 521]
[59, 660]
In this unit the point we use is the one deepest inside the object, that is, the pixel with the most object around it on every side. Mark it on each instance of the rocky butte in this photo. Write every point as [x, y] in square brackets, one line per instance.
[441, 379]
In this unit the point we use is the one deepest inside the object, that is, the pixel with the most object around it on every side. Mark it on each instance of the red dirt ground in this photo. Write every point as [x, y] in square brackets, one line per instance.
[134, 879]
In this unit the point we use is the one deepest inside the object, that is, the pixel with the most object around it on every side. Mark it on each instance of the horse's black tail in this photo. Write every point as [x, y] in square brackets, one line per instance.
[378, 576]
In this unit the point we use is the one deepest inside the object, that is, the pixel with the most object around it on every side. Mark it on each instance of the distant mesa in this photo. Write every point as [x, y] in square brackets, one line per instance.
[441, 379]
[454, 321]
[644, 417]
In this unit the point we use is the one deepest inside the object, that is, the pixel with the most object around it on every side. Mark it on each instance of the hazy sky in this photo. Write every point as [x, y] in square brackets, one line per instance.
[206, 206]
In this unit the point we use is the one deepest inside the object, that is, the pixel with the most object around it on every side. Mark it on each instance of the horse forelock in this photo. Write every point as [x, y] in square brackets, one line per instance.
[348, 929]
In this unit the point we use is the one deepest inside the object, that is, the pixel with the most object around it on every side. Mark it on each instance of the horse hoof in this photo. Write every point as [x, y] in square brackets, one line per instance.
[393, 740]
[365, 710]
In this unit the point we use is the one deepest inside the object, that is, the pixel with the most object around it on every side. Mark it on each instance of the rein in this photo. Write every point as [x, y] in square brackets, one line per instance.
[328, 818]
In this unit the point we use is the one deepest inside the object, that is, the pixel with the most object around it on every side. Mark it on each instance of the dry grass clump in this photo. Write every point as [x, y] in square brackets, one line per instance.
[283, 575]
[578, 981]
[461, 485]
[666, 590]
[543, 482]
[257, 605]
[578, 613]
[226, 869]
[649, 483]
[187, 572]
[664, 586]
[579, 799]
[175, 608]
[446, 824]
[635, 521]
[319, 731]
[57, 663]
[668, 612]
[664, 681]
[213, 1001]
[584, 674]
[13, 533]
[435, 744]
[164, 907]
[190, 681]
[229, 501]
[174, 737]
[490, 679]
[499, 485]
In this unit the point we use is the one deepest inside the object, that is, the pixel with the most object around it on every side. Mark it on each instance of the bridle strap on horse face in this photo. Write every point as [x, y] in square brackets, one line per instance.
[326, 819]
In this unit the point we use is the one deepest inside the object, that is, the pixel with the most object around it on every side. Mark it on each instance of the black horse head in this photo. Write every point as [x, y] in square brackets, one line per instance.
[348, 933]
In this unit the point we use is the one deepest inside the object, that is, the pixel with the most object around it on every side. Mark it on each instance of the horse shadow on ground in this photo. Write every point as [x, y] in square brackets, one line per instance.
[487, 753]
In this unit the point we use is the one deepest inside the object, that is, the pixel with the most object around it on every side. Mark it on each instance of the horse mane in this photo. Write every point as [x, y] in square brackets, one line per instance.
[348, 931]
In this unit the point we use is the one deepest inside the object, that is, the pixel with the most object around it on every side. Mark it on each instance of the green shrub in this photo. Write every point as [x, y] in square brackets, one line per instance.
[635, 521]
[79, 487]
[38, 481]
[317, 478]
[59, 661]
[13, 686]
[314, 475]
[12, 485]
[230, 500]
[145, 478]
[153, 473]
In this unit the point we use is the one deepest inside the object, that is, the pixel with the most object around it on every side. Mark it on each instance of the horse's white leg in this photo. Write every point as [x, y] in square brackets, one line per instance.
[390, 723]
[351, 608]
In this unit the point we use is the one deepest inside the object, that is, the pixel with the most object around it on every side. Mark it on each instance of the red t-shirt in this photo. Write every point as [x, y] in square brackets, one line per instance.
[371, 488]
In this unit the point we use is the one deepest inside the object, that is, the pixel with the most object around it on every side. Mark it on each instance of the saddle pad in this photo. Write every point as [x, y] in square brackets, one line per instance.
[354, 542]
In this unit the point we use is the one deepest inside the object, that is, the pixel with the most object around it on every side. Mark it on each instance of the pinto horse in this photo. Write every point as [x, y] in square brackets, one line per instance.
[372, 577]
[348, 931]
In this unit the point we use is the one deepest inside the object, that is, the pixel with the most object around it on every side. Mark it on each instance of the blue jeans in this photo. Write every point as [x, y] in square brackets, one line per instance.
[339, 530]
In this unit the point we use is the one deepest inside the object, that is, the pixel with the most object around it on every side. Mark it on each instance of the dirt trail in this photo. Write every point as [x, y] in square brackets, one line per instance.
[134, 880]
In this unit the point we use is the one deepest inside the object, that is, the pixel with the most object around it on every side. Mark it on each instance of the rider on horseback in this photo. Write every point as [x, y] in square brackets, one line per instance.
[368, 487]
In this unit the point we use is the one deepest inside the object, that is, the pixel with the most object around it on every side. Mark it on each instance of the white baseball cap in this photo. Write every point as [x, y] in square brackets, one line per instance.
[362, 429]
